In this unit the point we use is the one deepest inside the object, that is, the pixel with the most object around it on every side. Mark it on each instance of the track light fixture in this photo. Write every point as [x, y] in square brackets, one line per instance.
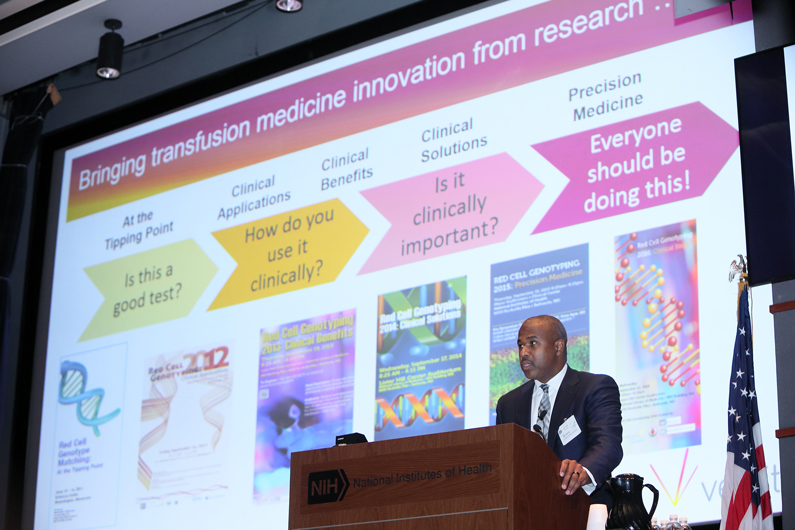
[111, 46]
[289, 6]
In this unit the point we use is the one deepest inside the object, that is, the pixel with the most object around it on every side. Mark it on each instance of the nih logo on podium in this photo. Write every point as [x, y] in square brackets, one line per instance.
[327, 486]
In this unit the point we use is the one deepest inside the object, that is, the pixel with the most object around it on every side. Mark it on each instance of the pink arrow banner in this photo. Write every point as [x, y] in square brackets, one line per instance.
[460, 65]
[635, 164]
[465, 206]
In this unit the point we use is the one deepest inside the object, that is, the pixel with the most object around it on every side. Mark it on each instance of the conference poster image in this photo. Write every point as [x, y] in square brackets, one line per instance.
[89, 431]
[183, 453]
[421, 353]
[658, 354]
[554, 283]
[305, 395]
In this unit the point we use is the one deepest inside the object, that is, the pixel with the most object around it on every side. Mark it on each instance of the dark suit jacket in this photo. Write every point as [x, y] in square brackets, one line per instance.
[594, 402]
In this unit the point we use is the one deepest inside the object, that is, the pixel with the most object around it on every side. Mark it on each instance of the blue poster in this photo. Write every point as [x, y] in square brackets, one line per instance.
[553, 283]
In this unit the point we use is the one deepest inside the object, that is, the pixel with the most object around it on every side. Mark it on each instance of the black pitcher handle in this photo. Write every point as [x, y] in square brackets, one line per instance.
[656, 498]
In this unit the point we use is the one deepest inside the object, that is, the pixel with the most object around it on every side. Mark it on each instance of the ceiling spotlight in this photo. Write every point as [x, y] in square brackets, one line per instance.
[111, 46]
[289, 6]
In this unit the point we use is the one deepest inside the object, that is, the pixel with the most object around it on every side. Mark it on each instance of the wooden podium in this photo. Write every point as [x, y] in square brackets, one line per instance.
[502, 477]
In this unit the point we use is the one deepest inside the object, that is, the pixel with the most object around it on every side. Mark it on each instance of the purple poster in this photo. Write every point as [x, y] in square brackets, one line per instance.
[305, 395]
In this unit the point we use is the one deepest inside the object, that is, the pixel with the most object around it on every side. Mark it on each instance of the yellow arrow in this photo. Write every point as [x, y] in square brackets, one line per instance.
[150, 287]
[290, 251]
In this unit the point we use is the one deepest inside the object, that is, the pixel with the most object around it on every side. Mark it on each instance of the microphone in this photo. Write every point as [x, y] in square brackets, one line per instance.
[537, 428]
[538, 431]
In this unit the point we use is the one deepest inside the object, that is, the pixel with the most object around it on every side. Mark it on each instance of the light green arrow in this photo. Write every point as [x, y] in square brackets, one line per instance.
[147, 288]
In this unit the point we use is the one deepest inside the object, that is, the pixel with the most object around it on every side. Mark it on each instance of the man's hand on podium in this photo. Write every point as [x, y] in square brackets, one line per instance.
[573, 476]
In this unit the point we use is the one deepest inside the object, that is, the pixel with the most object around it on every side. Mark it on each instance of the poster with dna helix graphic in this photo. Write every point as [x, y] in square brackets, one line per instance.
[88, 433]
[420, 370]
[658, 361]
[185, 410]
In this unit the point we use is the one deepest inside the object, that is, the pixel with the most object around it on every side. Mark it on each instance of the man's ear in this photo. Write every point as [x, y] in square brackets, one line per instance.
[559, 344]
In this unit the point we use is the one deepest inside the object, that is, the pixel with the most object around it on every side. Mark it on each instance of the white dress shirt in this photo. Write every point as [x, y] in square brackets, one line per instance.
[538, 393]
[554, 386]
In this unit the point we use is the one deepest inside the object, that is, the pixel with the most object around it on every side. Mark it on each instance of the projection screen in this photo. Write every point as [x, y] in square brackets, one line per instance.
[351, 247]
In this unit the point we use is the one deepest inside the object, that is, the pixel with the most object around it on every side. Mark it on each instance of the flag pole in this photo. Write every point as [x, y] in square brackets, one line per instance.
[745, 500]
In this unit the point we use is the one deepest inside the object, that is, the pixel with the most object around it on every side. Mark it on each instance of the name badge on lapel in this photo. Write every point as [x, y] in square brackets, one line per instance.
[569, 430]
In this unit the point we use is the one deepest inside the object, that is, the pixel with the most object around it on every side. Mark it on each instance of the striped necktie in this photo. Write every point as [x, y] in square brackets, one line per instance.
[544, 411]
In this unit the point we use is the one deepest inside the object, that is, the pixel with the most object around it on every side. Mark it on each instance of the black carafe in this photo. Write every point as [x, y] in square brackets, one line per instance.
[628, 510]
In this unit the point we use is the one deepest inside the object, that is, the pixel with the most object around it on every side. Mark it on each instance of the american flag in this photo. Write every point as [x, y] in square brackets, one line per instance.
[745, 504]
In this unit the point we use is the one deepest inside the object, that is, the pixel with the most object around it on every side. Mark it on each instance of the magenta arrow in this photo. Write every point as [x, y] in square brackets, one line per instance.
[464, 206]
[635, 164]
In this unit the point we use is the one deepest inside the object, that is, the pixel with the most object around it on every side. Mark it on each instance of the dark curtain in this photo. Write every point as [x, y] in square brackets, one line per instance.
[26, 120]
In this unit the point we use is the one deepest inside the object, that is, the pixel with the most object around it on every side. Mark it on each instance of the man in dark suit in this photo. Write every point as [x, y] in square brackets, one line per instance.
[578, 413]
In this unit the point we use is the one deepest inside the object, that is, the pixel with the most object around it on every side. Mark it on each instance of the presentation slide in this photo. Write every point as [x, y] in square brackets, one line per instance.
[353, 245]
